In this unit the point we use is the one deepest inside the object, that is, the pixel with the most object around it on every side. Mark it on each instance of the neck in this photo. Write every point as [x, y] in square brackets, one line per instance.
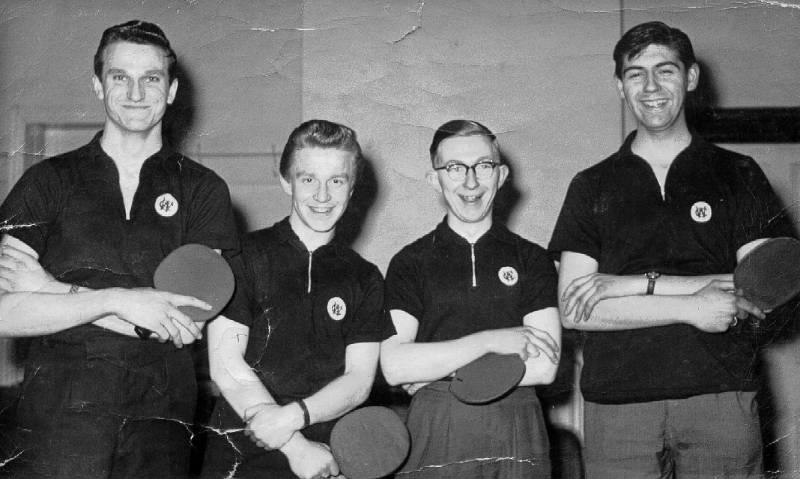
[130, 150]
[311, 239]
[661, 147]
[470, 231]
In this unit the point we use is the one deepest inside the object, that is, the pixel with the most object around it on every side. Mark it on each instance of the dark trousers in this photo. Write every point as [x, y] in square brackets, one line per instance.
[105, 409]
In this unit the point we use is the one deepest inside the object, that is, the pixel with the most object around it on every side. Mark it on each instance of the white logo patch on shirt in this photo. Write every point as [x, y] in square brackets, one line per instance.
[166, 205]
[701, 212]
[508, 275]
[336, 308]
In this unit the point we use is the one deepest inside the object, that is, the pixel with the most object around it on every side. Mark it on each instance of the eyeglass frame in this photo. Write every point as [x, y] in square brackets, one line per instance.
[473, 167]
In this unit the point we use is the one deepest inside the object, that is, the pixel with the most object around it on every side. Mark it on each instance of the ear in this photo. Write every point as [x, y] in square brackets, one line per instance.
[173, 90]
[286, 186]
[433, 179]
[692, 77]
[97, 86]
[620, 89]
[502, 175]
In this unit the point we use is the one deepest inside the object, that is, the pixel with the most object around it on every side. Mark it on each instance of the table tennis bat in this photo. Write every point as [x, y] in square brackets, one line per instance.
[769, 275]
[195, 270]
[369, 443]
[487, 378]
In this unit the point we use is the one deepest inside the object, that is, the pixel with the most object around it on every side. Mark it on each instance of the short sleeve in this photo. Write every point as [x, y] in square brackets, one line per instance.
[211, 221]
[403, 288]
[759, 212]
[369, 323]
[30, 209]
[575, 228]
[541, 282]
[238, 309]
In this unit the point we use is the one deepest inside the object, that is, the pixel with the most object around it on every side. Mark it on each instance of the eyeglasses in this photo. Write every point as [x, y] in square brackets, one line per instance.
[458, 171]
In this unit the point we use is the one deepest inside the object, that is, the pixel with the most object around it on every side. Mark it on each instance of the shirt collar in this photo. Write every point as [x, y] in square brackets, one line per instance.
[497, 231]
[286, 234]
[627, 155]
[165, 156]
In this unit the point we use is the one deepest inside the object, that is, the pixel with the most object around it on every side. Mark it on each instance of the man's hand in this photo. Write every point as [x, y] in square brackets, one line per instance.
[525, 341]
[584, 292]
[157, 311]
[21, 272]
[271, 426]
[718, 307]
[309, 459]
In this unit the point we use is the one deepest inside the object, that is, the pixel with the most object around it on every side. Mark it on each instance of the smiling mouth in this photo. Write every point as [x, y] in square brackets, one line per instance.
[321, 209]
[654, 104]
[471, 198]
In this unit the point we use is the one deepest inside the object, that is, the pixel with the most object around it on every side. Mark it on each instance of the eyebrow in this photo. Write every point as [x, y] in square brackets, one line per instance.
[657, 65]
[114, 71]
[480, 159]
[300, 173]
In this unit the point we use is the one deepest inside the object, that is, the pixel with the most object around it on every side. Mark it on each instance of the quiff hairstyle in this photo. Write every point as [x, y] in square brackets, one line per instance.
[320, 134]
[135, 31]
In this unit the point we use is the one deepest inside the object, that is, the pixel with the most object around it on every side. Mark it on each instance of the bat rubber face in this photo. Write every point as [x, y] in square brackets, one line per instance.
[769, 275]
[199, 271]
[487, 378]
[369, 443]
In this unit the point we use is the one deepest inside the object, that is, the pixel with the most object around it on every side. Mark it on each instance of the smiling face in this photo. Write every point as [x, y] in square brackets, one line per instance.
[134, 87]
[469, 201]
[320, 182]
[654, 84]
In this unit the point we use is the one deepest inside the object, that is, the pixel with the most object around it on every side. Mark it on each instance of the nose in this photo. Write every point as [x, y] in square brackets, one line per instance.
[651, 84]
[471, 178]
[135, 91]
[322, 195]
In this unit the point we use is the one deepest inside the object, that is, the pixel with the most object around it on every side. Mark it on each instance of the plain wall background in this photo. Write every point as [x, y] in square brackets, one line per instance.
[537, 73]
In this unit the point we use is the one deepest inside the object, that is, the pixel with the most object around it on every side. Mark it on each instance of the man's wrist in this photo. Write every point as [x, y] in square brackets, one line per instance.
[651, 277]
[303, 416]
[294, 444]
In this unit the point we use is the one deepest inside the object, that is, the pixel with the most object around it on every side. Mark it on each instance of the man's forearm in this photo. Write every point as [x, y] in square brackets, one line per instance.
[110, 322]
[682, 285]
[411, 362]
[636, 312]
[37, 313]
[338, 397]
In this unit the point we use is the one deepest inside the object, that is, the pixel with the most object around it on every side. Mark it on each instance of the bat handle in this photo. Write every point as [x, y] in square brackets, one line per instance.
[143, 333]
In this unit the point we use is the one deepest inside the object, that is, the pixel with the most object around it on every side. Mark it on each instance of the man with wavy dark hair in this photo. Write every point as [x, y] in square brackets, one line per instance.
[77, 270]
[648, 240]
[298, 345]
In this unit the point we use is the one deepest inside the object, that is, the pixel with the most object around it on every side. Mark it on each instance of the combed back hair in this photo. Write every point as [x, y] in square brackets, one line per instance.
[320, 134]
[135, 31]
[635, 40]
[462, 128]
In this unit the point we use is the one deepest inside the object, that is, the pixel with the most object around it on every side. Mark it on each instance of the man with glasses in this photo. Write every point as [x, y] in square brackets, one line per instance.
[468, 288]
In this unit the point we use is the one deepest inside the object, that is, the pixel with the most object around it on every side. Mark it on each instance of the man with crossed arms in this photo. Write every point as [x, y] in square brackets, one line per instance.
[97, 401]
[648, 239]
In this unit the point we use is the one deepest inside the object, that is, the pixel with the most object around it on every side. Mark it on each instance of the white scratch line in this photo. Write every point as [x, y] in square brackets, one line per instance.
[274, 30]
[3, 464]
[779, 4]
[468, 461]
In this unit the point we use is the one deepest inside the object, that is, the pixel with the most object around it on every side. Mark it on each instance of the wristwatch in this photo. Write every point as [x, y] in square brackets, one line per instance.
[651, 276]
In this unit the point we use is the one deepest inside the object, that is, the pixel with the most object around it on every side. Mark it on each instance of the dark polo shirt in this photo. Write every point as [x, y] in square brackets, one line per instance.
[715, 201]
[69, 209]
[303, 309]
[455, 288]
